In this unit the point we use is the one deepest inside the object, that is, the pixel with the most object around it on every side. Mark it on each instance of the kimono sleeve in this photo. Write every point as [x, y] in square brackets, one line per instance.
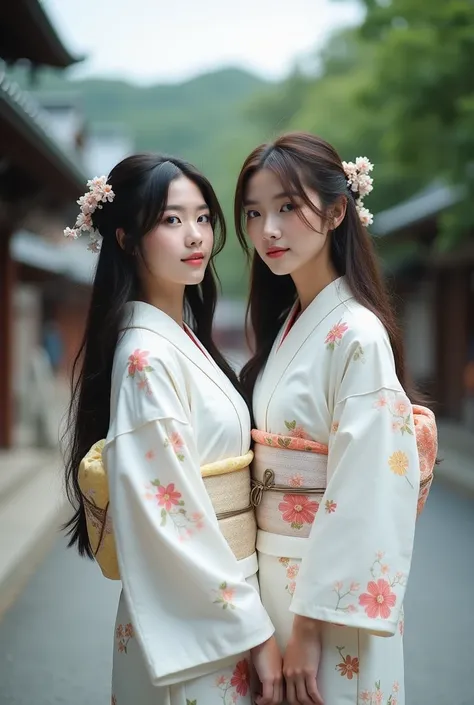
[360, 548]
[190, 605]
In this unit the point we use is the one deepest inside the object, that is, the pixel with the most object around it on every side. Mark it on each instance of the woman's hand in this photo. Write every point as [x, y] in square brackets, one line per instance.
[301, 662]
[266, 660]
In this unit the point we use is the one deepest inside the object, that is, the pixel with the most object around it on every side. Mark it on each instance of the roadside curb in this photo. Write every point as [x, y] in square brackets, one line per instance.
[30, 519]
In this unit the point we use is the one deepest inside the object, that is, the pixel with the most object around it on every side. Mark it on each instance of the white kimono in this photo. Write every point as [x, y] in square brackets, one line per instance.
[189, 611]
[332, 380]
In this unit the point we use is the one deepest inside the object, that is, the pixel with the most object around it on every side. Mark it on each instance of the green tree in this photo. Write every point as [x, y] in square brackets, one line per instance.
[423, 80]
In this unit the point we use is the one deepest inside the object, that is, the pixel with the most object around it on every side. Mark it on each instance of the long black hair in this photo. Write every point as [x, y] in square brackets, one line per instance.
[140, 184]
[304, 161]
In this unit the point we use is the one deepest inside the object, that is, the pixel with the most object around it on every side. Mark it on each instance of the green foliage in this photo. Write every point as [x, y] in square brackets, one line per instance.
[423, 84]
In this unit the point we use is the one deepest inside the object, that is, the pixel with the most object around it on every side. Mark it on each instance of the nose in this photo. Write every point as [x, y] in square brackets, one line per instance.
[193, 236]
[271, 229]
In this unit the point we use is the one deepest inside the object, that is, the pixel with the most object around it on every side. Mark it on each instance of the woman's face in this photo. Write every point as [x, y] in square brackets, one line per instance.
[280, 236]
[178, 249]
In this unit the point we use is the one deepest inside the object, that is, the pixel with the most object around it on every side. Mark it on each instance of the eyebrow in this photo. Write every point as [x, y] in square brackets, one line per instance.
[277, 197]
[181, 209]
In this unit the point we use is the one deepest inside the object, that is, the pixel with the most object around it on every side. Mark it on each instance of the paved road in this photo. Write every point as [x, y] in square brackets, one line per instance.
[55, 643]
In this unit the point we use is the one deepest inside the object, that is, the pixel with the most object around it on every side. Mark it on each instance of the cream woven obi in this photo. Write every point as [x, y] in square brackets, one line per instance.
[227, 482]
[289, 478]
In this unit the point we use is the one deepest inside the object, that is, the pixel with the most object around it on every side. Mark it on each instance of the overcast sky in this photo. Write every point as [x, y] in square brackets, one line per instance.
[168, 40]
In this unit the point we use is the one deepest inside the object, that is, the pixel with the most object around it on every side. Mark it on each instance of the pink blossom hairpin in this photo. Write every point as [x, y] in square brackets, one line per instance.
[99, 192]
[359, 181]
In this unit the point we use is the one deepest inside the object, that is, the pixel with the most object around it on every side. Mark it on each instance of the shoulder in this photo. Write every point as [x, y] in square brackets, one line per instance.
[364, 355]
[147, 381]
[142, 350]
[362, 328]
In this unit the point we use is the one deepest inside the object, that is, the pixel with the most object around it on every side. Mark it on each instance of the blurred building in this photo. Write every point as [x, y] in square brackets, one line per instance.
[40, 180]
[435, 295]
[48, 151]
[62, 270]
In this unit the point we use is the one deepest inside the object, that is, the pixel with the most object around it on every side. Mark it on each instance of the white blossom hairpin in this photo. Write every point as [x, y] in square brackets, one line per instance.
[359, 181]
[99, 192]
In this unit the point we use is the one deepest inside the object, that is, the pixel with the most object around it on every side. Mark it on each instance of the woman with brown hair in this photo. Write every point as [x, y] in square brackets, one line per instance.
[336, 474]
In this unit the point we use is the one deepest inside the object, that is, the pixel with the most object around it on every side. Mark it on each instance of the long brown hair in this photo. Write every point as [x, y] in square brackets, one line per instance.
[140, 183]
[303, 161]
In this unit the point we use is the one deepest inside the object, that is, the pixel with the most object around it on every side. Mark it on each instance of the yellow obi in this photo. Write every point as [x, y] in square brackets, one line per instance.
[227, 483]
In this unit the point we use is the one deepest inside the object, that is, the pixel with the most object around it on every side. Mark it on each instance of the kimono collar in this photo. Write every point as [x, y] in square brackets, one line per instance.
[284, 352]
[334, 294]
[139, 314]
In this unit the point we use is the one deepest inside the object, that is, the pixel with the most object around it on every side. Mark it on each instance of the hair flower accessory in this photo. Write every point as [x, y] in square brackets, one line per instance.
[361, 184]
[99, 192]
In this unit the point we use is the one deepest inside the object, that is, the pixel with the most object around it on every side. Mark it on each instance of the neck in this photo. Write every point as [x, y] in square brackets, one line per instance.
[170, 301]
[311, 280]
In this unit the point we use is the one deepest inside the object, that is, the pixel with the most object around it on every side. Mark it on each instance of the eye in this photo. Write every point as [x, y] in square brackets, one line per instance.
[172, 220]
[287, 208]
[252, 214]
[204, 218]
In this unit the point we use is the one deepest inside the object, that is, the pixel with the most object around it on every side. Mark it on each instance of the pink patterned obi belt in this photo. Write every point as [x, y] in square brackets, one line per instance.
[288, 483]
[289, 476]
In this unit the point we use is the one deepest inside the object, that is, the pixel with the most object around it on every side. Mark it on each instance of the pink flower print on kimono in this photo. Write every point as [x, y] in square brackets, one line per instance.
[400, 410]
[173, 507]
[138, 367]
[175, 442]
[330, 506]
[241, 677]
[123, 634]
[376, 696]
[344, 594]
[292, 570]
[298, 510]
[335, 335]
[379, 599]
[225, 596]
[349, 666]
[235, 687]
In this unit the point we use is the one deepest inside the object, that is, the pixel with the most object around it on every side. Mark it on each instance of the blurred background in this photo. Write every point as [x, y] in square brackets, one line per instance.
[83, 84]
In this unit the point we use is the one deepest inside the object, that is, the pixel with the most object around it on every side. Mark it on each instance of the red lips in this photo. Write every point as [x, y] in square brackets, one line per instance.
[194, 256]
[276, 251]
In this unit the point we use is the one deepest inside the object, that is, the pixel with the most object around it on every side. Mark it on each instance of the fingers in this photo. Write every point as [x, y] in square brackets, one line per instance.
[266, 698]
[303, 690]
[272, 692]
[312, 690]
[291, 692]
[278, 692]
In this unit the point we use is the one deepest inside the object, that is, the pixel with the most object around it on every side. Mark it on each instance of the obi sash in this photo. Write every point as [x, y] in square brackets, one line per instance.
[227, 483]
[289, 477]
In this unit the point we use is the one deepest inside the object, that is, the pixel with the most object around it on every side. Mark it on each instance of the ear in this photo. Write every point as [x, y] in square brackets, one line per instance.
[338, 212]
[120, 235]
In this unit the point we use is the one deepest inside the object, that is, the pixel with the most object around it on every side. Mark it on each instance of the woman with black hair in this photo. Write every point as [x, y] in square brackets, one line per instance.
[180, 530]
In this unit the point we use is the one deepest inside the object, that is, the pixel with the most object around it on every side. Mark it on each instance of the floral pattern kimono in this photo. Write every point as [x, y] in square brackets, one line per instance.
[341, 556]
[189, 611]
